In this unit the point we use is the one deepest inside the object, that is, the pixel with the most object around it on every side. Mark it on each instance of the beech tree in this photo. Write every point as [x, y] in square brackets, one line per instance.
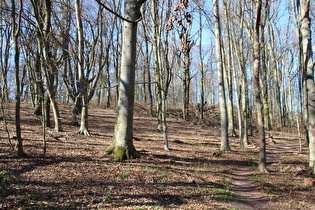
[258, 101]
[222, 98]
[146, 51]
[16, 29]
[122, 145]
[308, 71]
[201, 69]
[83, 80]
[302, 23]
[228, 62]
[161, 64]
[183, 20]
[47, 59]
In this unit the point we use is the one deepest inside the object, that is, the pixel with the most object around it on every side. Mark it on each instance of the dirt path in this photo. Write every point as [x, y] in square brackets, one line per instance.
[249, 196]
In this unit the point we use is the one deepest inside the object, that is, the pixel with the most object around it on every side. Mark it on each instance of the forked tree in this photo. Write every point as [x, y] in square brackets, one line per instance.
[46, 63]
[161, 64]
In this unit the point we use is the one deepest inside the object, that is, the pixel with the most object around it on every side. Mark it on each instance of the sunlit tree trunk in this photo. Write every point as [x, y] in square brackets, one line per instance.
[222, 99]
[42, 11]
[156, 44]
[275, 78]
[258, 101]
[228, 71]
[242, 98]
[264, 77]
[162, 69]
[122, 145]
[83, 81]
[51, 76]
[308, 68]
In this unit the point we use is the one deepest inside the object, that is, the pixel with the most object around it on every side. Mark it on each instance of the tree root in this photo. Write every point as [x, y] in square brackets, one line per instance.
[122, 153]
[85, 132]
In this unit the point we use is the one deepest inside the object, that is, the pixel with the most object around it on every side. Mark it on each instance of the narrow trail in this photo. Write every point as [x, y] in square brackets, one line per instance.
[249, 196]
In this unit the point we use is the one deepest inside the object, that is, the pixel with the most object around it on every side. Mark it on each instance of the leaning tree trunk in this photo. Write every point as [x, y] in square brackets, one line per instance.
[222, 99]
[122, 145]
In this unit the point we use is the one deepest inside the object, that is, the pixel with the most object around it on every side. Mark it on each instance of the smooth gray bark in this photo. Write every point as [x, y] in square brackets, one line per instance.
[122, 145]
[222, 99]
[308, 68]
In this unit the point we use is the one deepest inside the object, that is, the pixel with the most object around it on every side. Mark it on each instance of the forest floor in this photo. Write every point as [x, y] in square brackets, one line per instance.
[75, 174]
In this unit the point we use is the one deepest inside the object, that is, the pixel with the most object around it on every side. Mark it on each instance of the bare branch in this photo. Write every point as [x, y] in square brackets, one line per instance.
[116, 14]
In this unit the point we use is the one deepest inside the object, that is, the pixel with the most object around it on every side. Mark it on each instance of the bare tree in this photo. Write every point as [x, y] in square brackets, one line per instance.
[122, 145]
[147, 87]
[258, 101]
[222, 99]
[162, 67]
[16, 29]
[47, 62]
[238, 63]
[201, 69]
[5, 36]
[228, 58]
[83, 80]
[308, 71]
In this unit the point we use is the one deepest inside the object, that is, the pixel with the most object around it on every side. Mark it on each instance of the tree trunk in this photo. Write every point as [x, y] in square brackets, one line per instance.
[222, 100]
[16, 32]
[156, 40]
[186, 83]
[276, 80]
[308, 68]
[238, 42]
[122, 145]
[42, 11]
[202, 74]
[258, 102]
[147, 74]
[302, 87]
[83, 81]
[228, 72]
[265, 82]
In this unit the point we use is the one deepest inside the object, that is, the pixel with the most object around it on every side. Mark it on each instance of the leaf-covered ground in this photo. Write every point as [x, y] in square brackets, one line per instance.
[75, 174]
